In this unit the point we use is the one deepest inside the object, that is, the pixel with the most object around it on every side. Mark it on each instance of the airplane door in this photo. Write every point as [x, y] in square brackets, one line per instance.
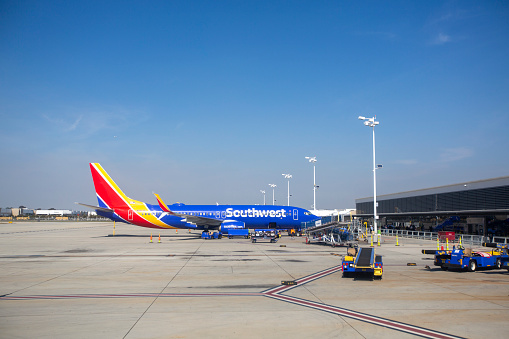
[295, 214]
[130, 215]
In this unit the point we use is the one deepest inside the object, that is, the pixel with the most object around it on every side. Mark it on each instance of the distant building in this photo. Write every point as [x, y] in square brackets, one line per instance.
[85, 213]
[26, 211]
[16, 212]
[53, 212]
[5, 212]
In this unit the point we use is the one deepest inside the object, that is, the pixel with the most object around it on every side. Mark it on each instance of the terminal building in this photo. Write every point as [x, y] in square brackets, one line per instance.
[15, 211]
[476, 207]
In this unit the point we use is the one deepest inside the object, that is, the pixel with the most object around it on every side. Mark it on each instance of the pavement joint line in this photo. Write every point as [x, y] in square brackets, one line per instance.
[64, 274]
[281, 268]
[273, 293]
[157, 295]
[346, 320]
[463, 293]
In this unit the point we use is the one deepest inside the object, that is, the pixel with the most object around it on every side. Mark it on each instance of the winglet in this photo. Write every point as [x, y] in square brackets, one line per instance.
[163, 206]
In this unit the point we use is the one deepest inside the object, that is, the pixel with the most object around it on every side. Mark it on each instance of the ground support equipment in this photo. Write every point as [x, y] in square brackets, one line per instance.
[364, 262]
[504, 248]
[465, 259]
[269, 235]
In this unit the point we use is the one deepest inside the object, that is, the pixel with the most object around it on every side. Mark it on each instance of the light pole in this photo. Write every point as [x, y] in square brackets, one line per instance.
[273, 185]
[313, 160]
[370, 122]
[288, 176]
[263, 192]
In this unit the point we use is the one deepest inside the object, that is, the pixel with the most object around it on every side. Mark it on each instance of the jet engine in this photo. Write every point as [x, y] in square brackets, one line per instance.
[231, 224]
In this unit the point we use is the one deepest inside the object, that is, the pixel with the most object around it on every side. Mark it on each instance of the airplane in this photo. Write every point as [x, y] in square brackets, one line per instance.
[115, 205]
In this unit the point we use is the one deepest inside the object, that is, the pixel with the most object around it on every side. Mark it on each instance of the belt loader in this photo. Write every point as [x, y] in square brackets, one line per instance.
[363, 262]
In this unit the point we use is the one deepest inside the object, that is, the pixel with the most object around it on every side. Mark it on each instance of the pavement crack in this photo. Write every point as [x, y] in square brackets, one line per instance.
[159, 294]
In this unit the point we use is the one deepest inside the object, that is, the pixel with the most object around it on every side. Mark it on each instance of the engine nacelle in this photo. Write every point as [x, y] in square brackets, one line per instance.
[231, 225]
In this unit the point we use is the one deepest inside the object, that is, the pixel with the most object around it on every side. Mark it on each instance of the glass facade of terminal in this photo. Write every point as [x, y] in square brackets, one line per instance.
[478, 199]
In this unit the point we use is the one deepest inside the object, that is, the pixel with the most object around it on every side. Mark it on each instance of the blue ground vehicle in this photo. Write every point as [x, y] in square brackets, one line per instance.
[464, 258]
[209, 235]
[238, 232]
[365, 261]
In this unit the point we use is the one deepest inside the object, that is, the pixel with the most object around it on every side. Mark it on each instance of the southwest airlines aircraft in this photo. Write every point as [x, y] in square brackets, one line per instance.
[114, 204]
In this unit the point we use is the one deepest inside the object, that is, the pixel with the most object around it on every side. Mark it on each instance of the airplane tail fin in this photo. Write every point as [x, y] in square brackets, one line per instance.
[109, 195]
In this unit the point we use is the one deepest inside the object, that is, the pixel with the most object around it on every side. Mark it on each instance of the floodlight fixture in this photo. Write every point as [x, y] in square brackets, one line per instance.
[313, 161]
[273, 186]
[370, 122]
[288, 176]
[263, 192]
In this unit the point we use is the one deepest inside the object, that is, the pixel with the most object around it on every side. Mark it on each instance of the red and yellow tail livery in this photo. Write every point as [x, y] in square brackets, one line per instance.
[111, 197]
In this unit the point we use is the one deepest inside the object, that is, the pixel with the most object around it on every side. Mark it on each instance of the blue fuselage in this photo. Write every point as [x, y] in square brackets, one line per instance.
[218, 216]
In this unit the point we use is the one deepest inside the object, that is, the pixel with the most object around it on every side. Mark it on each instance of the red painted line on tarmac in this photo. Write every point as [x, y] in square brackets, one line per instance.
[304, 280]
[319, 275]
[138, 295]
[364, 317]
[275, 293]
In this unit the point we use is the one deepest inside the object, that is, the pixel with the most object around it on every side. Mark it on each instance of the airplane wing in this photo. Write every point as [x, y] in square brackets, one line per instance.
[96, 207]
[200, 221]
[193, 219]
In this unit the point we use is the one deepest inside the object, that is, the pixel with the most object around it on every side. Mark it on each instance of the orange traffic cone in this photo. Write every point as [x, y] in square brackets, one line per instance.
[150, 237]
[159, 238]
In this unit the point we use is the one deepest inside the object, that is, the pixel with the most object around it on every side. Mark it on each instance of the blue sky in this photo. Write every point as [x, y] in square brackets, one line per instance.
[211, 101]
